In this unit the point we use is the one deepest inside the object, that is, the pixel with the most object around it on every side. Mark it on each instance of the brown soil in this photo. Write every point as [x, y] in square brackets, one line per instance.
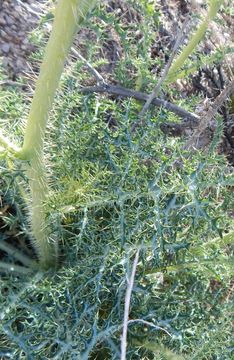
[17, 19]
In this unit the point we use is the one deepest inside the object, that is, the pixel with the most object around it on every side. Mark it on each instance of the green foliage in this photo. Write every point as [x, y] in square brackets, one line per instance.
[204, 60]
[111, 192]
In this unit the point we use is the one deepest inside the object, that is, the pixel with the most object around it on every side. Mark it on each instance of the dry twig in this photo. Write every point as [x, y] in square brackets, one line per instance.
[124, 92]
[127, 307]
[209, 115]
[97, 75]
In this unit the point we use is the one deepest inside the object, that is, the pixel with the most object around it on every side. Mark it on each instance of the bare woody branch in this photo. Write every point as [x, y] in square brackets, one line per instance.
[120, 91]
[209, 115]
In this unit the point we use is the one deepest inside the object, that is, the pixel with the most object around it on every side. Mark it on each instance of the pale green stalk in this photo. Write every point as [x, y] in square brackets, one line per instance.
[194, 41]
[69, 14]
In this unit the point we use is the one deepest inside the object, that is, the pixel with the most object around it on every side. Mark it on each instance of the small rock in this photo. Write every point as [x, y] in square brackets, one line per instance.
[3, 33]
[20, 63]
[5, 61]
[17, 9]
[9, 20]
[5, 48]
[2, 21]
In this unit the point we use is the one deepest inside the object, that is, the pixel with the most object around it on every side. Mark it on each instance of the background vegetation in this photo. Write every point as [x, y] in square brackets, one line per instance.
[115, 191]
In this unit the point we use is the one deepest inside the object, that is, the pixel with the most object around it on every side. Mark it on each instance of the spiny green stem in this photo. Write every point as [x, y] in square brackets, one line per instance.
[194, 41]
[69, 14]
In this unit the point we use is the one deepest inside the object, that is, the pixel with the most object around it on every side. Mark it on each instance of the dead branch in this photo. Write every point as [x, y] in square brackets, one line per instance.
[124, 92]
[209, 115]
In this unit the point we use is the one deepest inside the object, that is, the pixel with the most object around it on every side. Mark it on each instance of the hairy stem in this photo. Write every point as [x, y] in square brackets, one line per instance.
[194, 41]
[69, 14]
